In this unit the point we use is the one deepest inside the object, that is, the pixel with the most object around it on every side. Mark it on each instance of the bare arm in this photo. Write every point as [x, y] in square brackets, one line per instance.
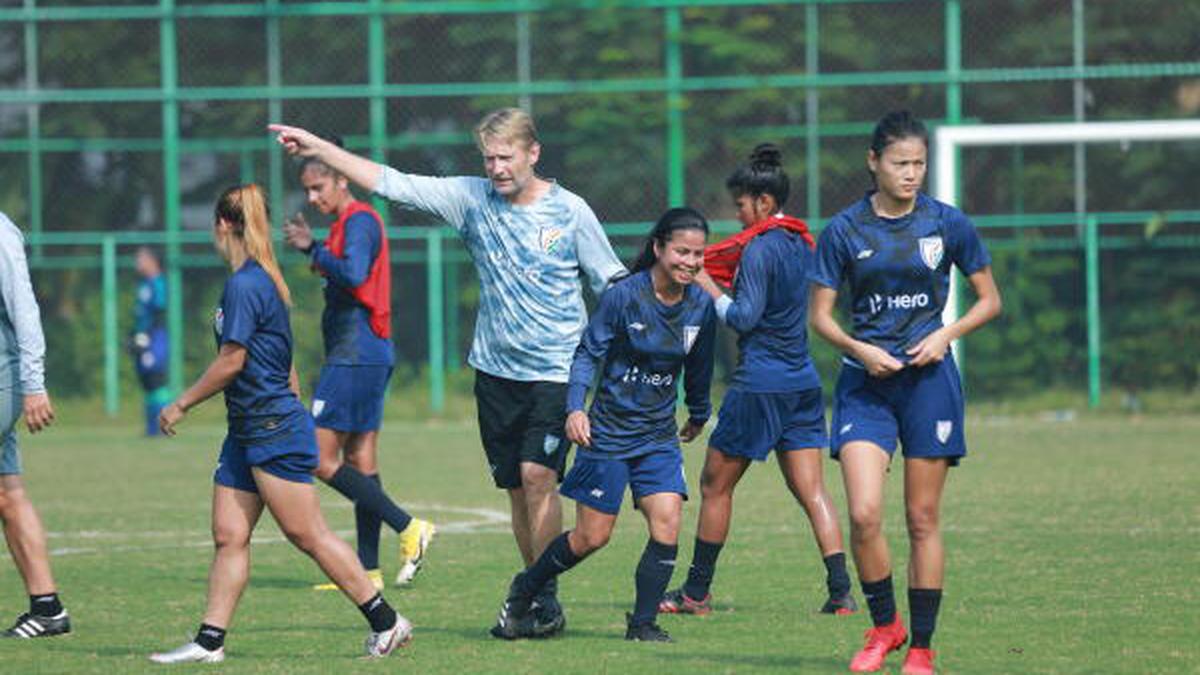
[932, 348]
[820, 316]
[296, 141]
[229, 362]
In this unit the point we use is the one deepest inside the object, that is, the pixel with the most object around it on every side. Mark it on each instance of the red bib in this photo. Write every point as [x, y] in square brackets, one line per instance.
[376, 292]
[721, 259]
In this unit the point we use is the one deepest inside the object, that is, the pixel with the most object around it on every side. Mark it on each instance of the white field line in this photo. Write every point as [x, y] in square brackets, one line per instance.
[483, 521]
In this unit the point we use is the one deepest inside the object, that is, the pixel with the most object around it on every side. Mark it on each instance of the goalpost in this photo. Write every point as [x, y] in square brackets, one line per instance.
[948, 139]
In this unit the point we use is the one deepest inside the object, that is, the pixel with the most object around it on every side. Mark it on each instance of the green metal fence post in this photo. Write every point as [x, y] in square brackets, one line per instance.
[812, 99]
[274, 109]
[1092, 270]
[170, 156]
[953, 30]
[433, 278]
[676, 177]
[34, 159]
[112, 393]
[452, 322]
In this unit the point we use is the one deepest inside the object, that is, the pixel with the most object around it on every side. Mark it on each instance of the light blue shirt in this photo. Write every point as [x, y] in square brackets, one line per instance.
[529, 260]
[22, 345]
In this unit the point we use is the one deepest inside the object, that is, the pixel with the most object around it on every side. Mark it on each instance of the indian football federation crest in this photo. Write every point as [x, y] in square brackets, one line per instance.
[689, 337]
[944, 428]
[931, 251]
[548, 238]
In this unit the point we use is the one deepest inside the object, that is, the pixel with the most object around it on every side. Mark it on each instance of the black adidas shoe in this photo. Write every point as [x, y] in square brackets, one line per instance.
[548, 617]
[841, 605]
[645, 632]
[35, 626]
[516, 619]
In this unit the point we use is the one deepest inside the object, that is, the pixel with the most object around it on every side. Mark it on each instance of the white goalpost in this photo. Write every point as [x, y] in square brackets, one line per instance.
[948, 139]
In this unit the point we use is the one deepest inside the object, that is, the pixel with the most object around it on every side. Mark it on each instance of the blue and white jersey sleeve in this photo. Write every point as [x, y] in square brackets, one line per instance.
[23, 335]
[592, 350]
[361, 247]
[963, 245]
[596, 256]
[832, 256]
[698, 369]
[745, 309]
[449, 198]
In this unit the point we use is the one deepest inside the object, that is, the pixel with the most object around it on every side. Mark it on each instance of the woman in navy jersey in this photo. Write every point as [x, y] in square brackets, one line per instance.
[270, 451]
[648, 330]
[774, 401]
[347, 405]
[892, 252]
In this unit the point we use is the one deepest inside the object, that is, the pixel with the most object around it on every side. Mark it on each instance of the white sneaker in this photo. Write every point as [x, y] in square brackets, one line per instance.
[414, 542]
[190, 653]
[383, 643]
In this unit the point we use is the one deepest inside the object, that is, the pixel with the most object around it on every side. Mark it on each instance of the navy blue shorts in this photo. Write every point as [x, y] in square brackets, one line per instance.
[922, 408]
[752, 425]
[350, 398]
[291, 455]
[600, 483]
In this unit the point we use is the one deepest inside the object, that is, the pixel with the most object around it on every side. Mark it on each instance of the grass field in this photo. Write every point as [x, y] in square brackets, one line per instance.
[1073, 547]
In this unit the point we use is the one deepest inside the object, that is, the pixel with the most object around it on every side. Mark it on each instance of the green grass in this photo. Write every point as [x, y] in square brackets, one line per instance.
[1072, 547]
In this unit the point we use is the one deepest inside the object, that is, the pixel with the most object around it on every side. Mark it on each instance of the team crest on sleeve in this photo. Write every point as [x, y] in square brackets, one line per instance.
[689, 337]
[931, 251]
[944, 428]
[219, 320]
[548, 238]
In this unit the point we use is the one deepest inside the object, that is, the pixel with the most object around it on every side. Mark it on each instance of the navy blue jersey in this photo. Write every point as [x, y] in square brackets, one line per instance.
[769, 310]
[643, 345]
[253, 315]
[898, 269]
[346, 322]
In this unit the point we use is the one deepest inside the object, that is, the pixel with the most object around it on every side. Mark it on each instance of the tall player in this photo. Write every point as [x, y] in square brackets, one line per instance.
[774, 402]
[348, 402]
[893, 251]
[531, 239]
[648, 330]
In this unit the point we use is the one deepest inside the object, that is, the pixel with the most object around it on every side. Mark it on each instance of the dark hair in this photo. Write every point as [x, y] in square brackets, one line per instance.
[319, 165]
[762, 175]
[897, 126]
[679, 218]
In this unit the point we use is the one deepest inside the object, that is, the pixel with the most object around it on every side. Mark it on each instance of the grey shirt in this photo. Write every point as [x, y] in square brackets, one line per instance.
[22, 346]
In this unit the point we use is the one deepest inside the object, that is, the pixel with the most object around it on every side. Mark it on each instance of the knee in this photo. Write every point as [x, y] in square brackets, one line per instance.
[230, 538]
[866, 520]
[306, 539]
[586, 541]
[922, 521]
[713, 488]
[665, 528]
[538, 481]
[326, 468]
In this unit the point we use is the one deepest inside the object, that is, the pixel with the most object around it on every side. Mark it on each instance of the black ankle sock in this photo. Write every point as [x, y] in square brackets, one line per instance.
[210, 637]
[45, 605]
[379, 613]
[881, 599]
[651, 579]
[556, 559]
[367, 524]
[370, 495]
[704, 566]
[837, 582]
[923, 604]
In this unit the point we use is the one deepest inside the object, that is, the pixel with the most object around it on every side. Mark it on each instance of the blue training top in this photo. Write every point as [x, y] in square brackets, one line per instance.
[898, 268]
[769, 310]
[346, 322]
[643, 345]
[151, 304]
[253, 315]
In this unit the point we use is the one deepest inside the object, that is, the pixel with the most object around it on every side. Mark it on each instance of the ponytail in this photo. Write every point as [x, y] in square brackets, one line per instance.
[245, 207]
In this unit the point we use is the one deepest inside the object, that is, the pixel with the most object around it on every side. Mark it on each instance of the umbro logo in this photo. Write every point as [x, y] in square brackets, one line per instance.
[865, 253]
[597, 493]
[637, 325]
[846, 427]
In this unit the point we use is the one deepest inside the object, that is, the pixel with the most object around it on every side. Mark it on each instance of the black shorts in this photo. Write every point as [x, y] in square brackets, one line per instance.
[521, 422]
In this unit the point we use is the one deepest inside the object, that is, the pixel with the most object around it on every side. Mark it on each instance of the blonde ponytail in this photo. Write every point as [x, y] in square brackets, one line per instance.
[245, 207]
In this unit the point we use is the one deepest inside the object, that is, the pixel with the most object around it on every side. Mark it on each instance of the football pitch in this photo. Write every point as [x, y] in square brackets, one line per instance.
[1072, 547]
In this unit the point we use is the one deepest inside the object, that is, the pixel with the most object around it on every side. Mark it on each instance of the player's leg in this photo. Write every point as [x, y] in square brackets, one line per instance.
[659, 488]
[803, 472]
[26, 538]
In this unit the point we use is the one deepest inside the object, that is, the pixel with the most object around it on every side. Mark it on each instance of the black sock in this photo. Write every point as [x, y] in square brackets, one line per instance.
[704, 566]
[923, 604]
[210, 637]
[45, 605]
[651, 579]
[556, 559]
[379, 613]
[836, 579]
[367, 524]
[370, 495]
[881, 599]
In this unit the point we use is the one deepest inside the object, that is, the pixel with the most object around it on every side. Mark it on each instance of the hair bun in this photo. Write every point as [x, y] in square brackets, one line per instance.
[768, 154]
